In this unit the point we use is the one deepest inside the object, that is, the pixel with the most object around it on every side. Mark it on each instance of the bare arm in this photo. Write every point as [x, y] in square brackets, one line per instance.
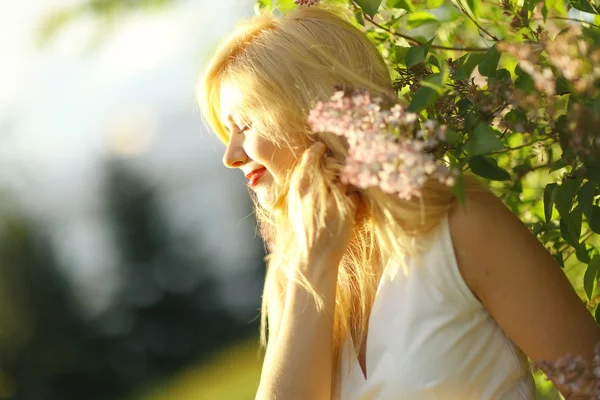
[520, 283]
[298, 362]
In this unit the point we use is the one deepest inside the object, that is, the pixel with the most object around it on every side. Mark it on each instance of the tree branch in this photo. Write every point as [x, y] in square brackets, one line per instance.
[569, 19]
[419, 43]
[460, 6]
[514, 148]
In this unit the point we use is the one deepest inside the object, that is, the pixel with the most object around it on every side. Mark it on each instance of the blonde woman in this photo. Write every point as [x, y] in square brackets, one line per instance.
[367, 295]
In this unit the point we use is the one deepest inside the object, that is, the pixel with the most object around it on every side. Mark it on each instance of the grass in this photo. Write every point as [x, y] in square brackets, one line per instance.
[231, 375]
[234, 374]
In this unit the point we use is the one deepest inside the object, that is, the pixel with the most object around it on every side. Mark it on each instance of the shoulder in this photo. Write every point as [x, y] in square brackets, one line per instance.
[518, 281]
[492, 245]
[481, 229]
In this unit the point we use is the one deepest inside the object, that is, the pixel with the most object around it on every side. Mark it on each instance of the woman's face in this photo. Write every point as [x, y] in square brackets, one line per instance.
[261, 161]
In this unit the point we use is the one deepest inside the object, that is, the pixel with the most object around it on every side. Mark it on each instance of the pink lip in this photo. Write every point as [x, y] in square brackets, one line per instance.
[255, 176]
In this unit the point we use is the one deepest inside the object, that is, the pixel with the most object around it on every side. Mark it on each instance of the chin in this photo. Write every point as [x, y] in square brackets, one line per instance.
[264, 193]
[265, 198]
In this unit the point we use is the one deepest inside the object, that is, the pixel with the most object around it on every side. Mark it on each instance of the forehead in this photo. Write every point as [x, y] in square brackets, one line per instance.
[230, 97]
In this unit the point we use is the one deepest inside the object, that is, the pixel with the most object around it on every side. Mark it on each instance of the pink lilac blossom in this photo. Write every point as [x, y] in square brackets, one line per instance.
[575, 374]
[306, 3]
[386, 146]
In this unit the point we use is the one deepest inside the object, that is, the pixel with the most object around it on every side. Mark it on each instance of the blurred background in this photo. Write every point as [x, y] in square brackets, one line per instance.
[129, 264]
[130, 267]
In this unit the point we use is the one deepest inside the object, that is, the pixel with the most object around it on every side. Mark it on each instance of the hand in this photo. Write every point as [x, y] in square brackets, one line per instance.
[321, 210]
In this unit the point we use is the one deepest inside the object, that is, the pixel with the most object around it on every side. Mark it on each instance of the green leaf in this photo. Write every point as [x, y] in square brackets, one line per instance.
[397, 54]
[453, 138]
[529, 5]
[593, 174]
[502, 75]
[487, 168]
[549, 192]
[433, 60]
[570, 227]
[483, 140]
[460, 4]
[474, 6]
[403, 4]
[419, 18]
[565, 193]
[459, 190]
[431, 4]
[464, 106]
[286, 6]
[427, 45]
[423, 98]
[590, 276]
[559, 259]
[594, 219]
[435, 82]
[370, 7]
[519, 71]
[525, 83]
[489, 63]
[585, 198]
[414, 55]
[427, 93]
[562, 86]
[359, 17]
[467, 67]
[582, 253]
[582, 5]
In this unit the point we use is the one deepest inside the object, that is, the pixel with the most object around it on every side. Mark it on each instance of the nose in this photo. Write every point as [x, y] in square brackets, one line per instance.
[234, 156]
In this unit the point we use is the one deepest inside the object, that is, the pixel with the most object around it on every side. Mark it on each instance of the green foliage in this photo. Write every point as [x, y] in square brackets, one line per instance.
[516, 84]
[369, 7]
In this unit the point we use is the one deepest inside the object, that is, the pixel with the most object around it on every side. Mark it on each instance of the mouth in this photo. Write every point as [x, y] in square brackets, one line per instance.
[254, 176]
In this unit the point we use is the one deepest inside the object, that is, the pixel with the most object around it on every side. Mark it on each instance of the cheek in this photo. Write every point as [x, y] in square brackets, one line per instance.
[277, 160]
[283, 162]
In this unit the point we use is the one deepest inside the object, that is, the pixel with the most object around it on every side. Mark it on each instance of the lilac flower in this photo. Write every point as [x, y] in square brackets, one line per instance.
[306, 3]
[387, 148]
[575, 374]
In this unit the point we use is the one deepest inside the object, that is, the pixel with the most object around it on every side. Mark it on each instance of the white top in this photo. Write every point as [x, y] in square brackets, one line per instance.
[430, 338]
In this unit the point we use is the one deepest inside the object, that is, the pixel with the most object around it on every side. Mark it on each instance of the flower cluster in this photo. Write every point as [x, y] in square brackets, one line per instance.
[306, 3]
[568, 52]
[387, 146]
[575, 374]
[575, 58]
[529, 61]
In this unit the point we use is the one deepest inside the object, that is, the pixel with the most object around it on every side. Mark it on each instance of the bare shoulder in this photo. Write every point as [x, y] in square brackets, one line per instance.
[518, 281]
[482, 229]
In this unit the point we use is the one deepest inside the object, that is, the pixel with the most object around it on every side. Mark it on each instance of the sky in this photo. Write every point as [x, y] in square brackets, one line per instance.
[67, 107]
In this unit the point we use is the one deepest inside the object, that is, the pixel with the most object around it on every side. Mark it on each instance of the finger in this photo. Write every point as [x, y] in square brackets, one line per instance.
[313, 153]
[309, 158]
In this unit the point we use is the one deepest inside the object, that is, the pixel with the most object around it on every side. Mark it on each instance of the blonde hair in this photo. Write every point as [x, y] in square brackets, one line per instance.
[283, 66]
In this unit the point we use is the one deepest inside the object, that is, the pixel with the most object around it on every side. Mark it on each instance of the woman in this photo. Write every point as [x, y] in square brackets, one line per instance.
[369, 296]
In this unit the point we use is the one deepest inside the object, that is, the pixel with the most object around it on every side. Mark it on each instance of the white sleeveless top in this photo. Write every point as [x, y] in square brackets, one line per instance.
[430, 338]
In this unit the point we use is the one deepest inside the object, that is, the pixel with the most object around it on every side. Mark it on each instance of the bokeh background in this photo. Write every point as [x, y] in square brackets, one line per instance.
[130, 267]
[129, 264]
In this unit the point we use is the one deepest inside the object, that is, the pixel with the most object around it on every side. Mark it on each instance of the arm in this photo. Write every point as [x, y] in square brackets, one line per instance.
[298, 362]
[520, 283]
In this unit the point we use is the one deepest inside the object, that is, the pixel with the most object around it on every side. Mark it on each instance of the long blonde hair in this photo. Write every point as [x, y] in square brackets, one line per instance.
[283, 66]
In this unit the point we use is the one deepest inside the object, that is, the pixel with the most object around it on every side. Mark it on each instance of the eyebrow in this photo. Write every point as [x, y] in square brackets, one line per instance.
[243, 120]
[229, 119]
